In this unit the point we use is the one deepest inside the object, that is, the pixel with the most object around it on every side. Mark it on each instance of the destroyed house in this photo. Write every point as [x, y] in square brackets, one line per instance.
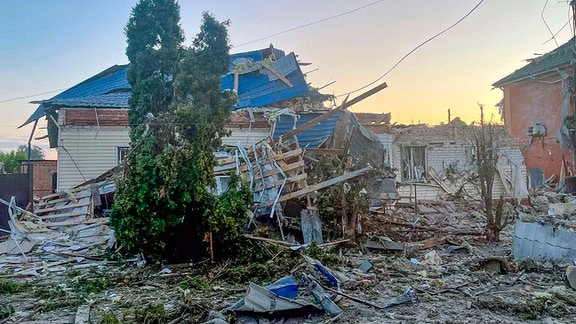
[88, 123]
[433, 162]
[536, 109]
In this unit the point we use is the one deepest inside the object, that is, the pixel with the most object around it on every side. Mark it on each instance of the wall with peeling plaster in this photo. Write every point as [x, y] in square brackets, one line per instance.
[537, 102]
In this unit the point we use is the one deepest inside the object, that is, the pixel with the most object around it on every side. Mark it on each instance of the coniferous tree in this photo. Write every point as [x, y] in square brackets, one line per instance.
[165, 205]
[154, 38]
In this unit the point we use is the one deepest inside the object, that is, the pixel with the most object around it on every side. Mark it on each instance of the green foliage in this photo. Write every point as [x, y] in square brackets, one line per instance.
[154, 38]
[151, 314]
[198, 282]
[36, 152]
[11, 287]
[109, 318]
[6, 310]
[342, 202]
[164, 207]
[326, 258]
[12, 160]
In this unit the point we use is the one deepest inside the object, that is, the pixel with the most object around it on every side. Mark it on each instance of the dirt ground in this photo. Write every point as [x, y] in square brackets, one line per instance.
[465, 280]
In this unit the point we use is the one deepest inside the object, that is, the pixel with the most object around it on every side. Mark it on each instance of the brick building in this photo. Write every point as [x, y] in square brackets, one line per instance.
[44, 176]
[535, 107]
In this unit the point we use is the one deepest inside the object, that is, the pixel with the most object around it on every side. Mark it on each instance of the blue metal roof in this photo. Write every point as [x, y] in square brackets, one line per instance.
[312, 137]
[108, 100]
[256, 89]
[110, 88]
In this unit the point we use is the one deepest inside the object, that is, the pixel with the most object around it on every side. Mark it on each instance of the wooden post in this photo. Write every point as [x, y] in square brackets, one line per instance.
[211, 246]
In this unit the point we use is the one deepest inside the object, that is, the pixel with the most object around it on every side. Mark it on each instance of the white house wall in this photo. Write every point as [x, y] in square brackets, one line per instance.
[440, 155]
[85, 152]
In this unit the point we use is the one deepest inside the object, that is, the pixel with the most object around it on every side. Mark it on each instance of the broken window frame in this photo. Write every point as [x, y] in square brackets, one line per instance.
[413, 164]
[121, 153]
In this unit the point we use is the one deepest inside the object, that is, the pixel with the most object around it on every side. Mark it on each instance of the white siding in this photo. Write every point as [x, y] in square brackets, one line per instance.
[87, 152]
[387, 140]
[245, 136]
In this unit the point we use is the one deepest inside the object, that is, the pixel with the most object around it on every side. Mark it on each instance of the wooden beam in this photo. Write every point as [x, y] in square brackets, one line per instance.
[343, 106]
[236, 77]
[278, 75]
[89, 221]
[69, 206]
[318, 186]
[71, 214]
[277, 183]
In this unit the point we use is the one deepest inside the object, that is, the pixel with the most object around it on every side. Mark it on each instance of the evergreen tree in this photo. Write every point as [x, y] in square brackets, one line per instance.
[164, 205]
[154, 39]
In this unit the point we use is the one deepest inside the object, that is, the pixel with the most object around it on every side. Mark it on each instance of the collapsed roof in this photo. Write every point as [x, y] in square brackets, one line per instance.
[261, 77]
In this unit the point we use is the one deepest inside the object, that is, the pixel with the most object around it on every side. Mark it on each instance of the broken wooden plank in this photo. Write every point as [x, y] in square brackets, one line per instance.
[318, 186]
[343, 106]
[71, 214]
[277, 183]
[43, 202]
[69, 206]
[278, 75]
[272, 172]
[89, 221]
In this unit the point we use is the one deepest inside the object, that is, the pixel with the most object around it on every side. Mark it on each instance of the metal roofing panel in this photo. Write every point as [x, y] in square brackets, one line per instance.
[107, 81]
[312, 137]
[256, 89]
[548, 62]
[533, 240]
[110, 100]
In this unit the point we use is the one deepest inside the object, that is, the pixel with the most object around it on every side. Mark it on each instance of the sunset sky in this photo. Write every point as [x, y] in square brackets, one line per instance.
[52, 45]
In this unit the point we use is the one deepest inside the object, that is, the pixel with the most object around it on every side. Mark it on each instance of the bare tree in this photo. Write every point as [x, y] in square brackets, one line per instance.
[486, 161]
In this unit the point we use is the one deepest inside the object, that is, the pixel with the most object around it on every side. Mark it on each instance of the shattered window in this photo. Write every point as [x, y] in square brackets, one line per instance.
[413, 163]
[121, 152]
[470, 151]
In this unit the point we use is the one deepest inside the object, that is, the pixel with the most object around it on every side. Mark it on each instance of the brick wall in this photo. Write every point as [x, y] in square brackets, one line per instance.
[537, 102]
[87, 117]
[42, 171]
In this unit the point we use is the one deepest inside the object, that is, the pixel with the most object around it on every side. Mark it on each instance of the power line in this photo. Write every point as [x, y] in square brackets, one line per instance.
[546, 24]
[414, 50]
[30, 96]
[310, 23]
[243, 44]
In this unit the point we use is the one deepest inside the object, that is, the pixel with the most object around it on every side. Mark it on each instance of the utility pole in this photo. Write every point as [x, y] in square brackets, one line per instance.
[573, 83]
[449, 119]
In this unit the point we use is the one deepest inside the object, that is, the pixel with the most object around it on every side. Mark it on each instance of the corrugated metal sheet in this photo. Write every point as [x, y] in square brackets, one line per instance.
[536, 241]
[257, 89]
[110, 88]
[93, 152]
[311, 138]
[245, 136]
[107, 81]
[364, 144]
[109, 100]
[548, 62]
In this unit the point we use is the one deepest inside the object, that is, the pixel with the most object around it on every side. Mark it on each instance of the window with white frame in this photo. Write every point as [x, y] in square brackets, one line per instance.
[413, 163]
[121, 153]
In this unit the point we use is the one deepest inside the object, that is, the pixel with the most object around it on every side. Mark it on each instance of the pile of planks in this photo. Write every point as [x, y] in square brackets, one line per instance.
[73, 207]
